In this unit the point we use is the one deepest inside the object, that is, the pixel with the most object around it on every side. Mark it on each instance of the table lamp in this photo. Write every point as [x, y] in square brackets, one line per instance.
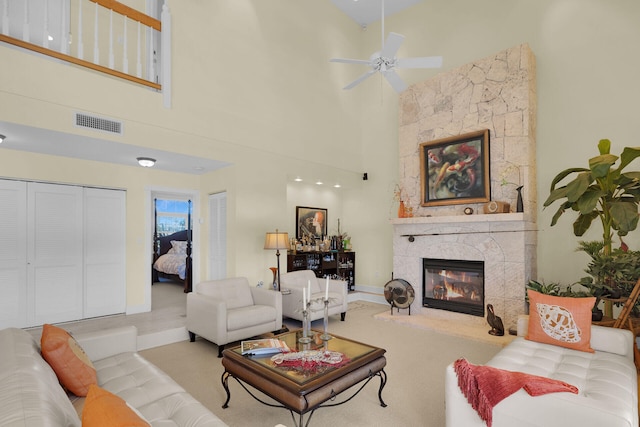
[277, 241]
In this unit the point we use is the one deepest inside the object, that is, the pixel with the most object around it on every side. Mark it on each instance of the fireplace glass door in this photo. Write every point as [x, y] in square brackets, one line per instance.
[454, 285]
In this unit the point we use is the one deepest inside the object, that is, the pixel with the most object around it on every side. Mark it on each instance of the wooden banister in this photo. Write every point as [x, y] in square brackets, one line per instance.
[80, 62]
[130, 13]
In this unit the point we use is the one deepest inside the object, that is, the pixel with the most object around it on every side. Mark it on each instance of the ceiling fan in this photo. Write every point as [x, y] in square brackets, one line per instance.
[385, 61]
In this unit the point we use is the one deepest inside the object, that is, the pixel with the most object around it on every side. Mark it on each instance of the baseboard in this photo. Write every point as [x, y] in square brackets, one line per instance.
[157, 339]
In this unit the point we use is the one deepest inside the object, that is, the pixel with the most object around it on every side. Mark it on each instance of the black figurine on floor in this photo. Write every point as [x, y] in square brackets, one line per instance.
[497, 328]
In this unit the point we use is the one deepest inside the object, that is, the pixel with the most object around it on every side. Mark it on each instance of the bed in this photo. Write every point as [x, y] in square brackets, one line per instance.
[172, 257]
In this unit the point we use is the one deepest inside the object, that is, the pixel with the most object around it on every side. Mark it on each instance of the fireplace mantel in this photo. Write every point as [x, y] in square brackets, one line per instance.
[460, 219]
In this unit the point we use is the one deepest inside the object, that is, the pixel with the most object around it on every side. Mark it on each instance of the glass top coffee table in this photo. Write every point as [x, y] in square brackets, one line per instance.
[303, 386]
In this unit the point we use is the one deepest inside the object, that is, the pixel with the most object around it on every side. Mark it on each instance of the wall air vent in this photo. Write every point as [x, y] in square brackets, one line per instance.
[98, 123]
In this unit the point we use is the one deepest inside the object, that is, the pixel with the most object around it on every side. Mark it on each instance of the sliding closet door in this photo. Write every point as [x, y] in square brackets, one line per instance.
[54, 246]
[104, 256]
[13, 254]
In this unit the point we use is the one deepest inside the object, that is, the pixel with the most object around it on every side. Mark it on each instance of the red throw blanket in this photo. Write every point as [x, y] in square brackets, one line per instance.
[485, 386]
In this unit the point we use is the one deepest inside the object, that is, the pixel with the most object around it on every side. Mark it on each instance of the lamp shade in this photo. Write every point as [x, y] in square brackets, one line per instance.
[276, 240]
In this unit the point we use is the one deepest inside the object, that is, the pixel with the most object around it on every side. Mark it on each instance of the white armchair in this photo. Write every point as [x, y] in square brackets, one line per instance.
[228, 310]
[295, 281]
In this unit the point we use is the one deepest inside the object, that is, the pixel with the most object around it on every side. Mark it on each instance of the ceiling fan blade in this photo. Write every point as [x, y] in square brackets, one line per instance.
[360, 79]
[350, 61]
[423, 62]
[395, 81]
[391, 46]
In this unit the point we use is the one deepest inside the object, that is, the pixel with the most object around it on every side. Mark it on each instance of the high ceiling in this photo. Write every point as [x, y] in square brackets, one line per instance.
[364, 12]
[31, 139]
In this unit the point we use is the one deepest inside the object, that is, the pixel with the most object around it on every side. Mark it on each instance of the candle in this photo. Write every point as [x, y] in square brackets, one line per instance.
[304, 298]
[326, 291]
[309, 289]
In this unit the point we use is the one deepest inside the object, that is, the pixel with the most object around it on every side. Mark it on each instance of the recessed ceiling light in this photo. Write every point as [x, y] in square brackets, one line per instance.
[319, 182]
[337, 185]
[297, 179]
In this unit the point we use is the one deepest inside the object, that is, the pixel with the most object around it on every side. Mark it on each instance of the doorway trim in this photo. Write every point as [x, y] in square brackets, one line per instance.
[168, 193]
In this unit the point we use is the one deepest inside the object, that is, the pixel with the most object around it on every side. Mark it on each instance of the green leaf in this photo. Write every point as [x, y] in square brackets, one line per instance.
[604, 146]
[583, 222]
[562, 175]
[589, 200]
[625, 216]
[628, 155]
[559, 193]
[600, 165]
[559, 213]
[577, 187]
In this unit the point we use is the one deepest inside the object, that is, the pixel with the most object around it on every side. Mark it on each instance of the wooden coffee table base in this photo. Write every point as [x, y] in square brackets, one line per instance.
[306, 400]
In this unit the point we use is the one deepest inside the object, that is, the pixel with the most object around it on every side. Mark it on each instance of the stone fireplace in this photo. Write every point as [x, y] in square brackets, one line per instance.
[496, 93]
[505, 243]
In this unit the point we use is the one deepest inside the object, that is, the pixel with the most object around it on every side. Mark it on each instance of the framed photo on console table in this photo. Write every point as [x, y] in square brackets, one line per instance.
[311, 222]
[455, 170]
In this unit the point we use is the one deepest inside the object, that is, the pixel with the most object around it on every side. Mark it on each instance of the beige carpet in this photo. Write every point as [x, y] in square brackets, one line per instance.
[416, 360]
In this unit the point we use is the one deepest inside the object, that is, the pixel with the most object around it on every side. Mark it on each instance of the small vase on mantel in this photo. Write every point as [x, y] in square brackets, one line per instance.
[519, 204]
[402, 210]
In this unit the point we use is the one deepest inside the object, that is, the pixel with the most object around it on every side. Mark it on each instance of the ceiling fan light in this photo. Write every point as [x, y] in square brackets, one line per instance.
[146, 162]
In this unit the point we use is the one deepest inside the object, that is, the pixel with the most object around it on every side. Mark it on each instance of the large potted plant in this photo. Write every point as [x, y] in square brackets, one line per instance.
[601, 191]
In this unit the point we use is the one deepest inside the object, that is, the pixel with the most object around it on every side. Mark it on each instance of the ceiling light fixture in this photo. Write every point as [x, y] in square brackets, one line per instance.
[337, 186]
[2, 137]
[297, 179]
[319, 182]
[146, 162]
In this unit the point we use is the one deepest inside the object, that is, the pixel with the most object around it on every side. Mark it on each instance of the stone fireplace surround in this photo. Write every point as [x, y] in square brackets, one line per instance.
[505, 242]
[496, 93]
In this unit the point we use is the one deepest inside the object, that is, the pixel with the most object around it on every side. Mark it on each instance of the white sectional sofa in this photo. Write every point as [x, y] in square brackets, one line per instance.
[606, 380]
[30, 394]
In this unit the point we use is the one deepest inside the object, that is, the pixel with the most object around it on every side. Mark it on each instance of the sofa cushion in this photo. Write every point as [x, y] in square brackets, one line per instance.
[301, 279]
[70, 363]
[152, 392]
[561, 321]
[245, 317]
[105, 409]
[30, 394]
[234, 291]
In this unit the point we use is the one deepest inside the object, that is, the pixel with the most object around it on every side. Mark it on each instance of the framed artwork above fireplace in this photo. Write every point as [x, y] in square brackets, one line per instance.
[455, 170]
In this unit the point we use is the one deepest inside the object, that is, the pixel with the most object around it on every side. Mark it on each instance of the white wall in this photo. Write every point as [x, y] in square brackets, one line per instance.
[253, 86]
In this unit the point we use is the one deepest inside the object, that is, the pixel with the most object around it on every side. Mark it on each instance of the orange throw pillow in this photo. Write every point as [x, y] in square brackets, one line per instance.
[561, 321]
[105, 409]
[70, 363]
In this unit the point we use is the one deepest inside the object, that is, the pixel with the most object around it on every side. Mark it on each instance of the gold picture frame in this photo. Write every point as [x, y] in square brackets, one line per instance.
[455, 170]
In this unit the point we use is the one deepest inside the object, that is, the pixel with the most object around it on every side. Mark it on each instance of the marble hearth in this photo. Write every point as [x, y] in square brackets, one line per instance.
[505, 242]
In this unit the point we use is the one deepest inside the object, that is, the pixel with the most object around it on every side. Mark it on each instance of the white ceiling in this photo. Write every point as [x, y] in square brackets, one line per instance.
[364, 12]
[36, 140]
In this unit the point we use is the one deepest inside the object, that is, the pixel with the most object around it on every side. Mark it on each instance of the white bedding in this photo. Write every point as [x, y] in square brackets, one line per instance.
[172, 264]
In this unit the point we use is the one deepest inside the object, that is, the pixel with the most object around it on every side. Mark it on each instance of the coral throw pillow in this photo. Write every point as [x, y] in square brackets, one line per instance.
[561, 321]
[70, 363]
[105, 409]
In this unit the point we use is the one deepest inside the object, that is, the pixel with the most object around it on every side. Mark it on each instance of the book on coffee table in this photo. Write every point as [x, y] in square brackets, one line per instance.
[263, 346]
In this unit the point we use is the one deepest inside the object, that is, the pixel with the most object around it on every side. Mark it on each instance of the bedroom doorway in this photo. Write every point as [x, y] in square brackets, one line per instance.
[172, 216]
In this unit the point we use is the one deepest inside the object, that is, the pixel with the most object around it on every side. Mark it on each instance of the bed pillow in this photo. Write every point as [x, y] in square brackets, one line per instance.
[178, 247]
[561, 321]
[67, 359]
[104, 409]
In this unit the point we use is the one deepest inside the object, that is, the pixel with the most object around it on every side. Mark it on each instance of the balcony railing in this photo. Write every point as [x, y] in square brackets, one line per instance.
[112, 34]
